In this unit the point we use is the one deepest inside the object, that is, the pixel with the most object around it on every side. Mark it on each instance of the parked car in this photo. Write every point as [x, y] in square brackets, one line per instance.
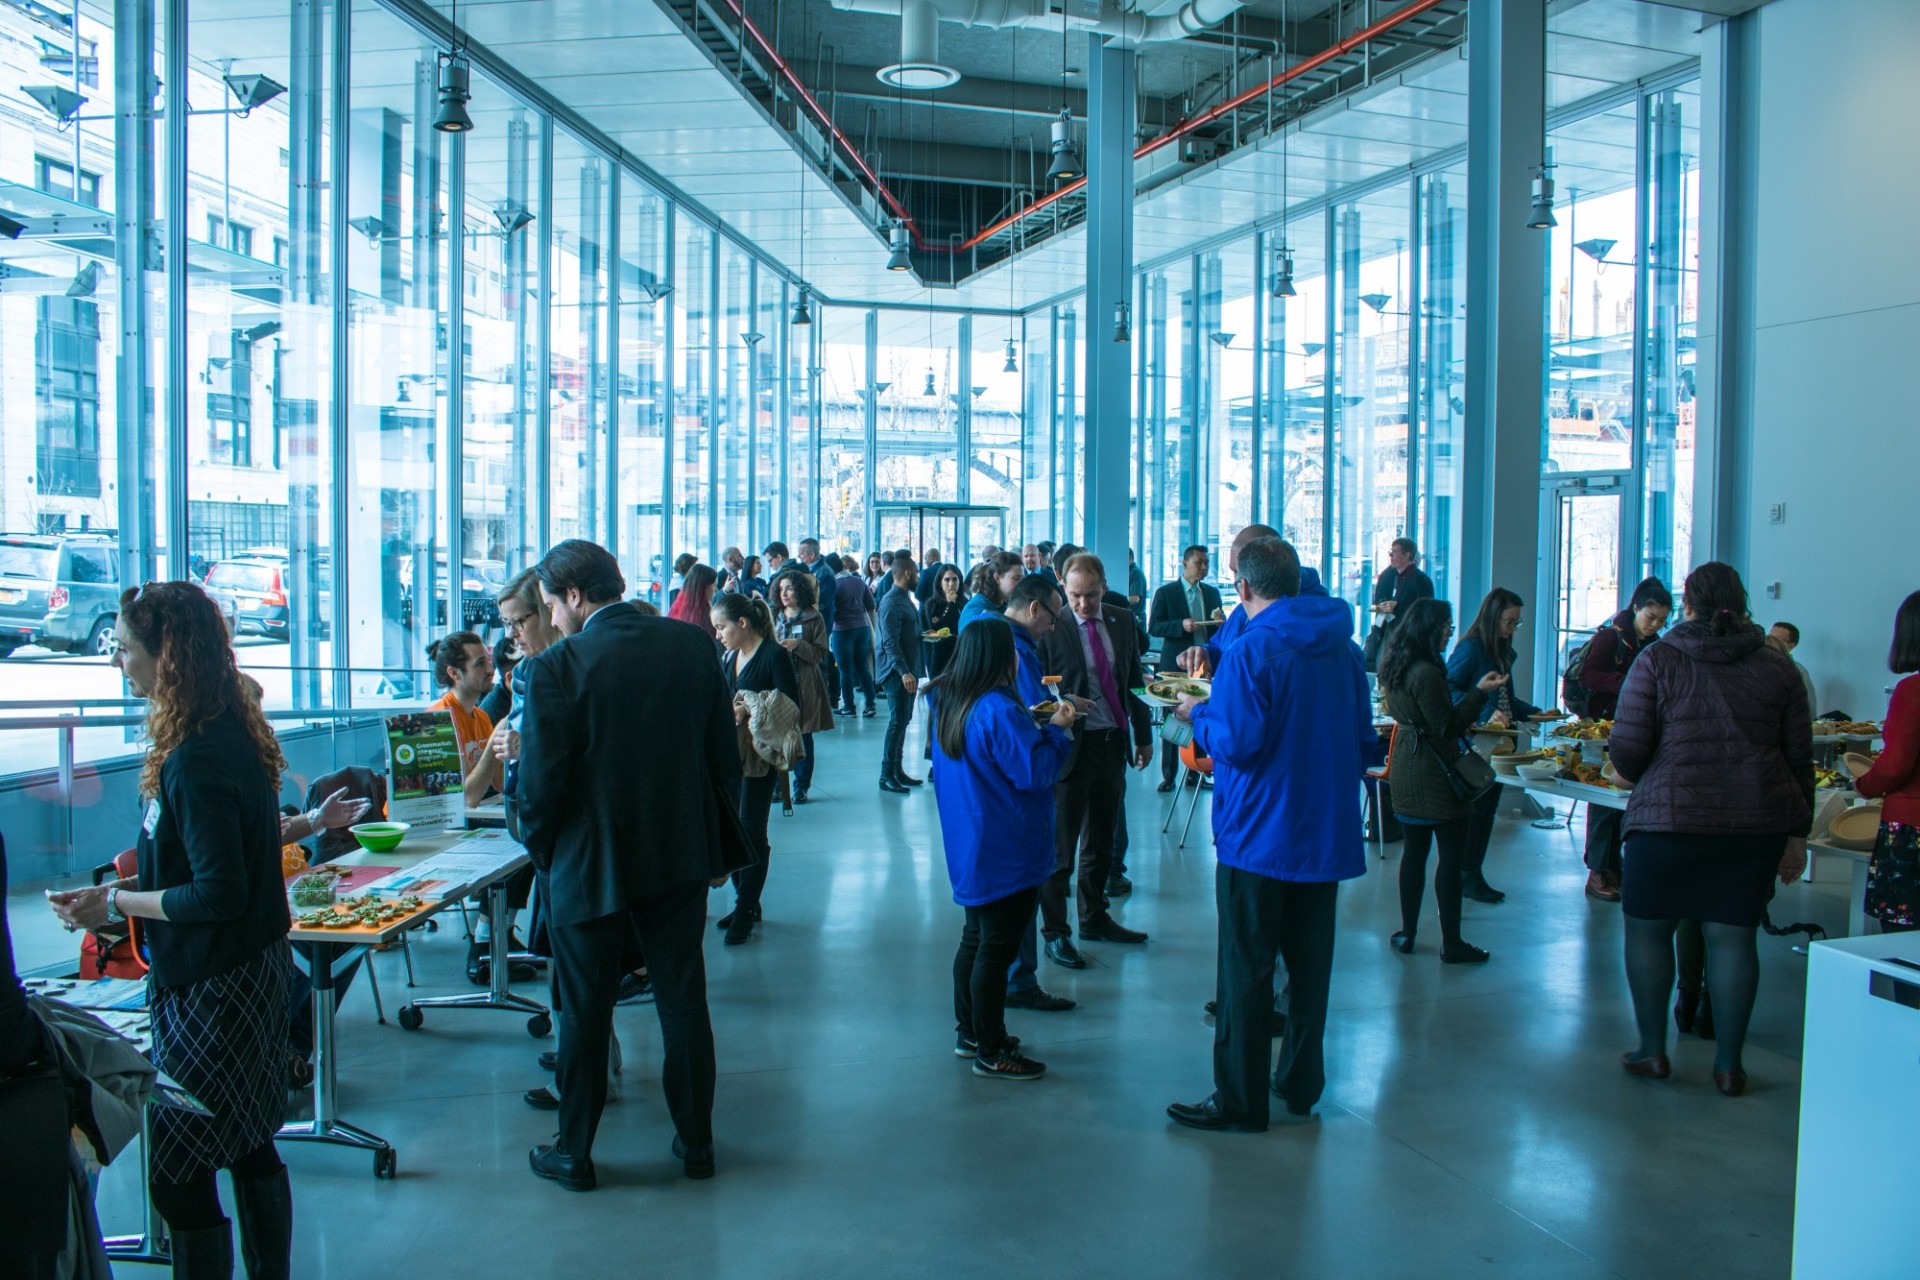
[480, 587]
[60, 591]
[254, 588]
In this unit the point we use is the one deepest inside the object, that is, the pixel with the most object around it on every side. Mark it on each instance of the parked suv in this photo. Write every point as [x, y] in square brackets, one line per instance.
[254, 586]
[58, 590]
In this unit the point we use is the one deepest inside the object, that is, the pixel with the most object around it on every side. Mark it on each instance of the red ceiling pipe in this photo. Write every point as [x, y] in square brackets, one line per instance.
[1340, 48]
[1348, 45]
[826, 121]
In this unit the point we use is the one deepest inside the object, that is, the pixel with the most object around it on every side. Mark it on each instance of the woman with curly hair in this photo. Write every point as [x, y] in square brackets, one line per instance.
[213, 911]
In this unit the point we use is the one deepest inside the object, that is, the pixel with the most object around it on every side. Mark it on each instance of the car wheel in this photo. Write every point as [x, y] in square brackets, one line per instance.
[100, 639]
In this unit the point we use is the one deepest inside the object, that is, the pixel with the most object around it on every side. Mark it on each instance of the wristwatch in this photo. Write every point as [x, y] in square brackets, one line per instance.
[114, 914]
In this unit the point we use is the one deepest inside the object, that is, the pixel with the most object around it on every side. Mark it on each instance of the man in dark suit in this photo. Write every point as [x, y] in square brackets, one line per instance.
[1401, 583]
[930, 573]
[1183, 619]
[627, 838]
[1097, 657]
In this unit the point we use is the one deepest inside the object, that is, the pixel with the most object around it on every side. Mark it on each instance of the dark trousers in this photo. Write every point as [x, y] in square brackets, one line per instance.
[588, 961]
[1169, 761]
[853, 655]
[803, 772]
[1603, 838]
[1262, 920]
[1024, 973]
[1091, 795]
[1421, 837]
[1479, 835]
[899, 712]
[988, 943]
[756, 803]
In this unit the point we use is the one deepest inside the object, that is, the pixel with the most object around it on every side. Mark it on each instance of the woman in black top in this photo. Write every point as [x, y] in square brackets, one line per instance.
[213, 910]
[754, 663]
[942, 609]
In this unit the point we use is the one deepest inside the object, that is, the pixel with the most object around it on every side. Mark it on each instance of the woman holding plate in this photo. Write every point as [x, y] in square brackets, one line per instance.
[1487, 649]
[1893, 875]
[1431, 725]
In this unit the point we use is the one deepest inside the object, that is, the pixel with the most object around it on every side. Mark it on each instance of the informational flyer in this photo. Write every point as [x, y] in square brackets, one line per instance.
[423, 770]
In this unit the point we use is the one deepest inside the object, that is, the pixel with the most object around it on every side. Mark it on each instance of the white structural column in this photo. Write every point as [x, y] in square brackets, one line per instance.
[1506, 313]
[1105, 484]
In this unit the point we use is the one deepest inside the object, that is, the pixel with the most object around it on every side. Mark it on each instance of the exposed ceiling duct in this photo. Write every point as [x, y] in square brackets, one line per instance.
[919, 66]
[1116, 23]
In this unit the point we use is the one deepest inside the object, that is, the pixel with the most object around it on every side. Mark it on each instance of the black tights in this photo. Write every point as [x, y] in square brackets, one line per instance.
[195, 1206]
[1733, 979]
[1452, 838]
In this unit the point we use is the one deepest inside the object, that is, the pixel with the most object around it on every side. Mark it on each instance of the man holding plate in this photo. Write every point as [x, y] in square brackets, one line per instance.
[1290, 732]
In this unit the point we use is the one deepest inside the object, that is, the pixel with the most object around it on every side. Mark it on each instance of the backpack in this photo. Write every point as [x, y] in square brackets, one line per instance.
[1575, 696]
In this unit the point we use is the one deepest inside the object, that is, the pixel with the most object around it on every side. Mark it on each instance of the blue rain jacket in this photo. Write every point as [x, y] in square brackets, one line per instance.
[996, 803]
[1290, 731]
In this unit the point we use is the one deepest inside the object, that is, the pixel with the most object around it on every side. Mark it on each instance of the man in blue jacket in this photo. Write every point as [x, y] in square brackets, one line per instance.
[1290, 731]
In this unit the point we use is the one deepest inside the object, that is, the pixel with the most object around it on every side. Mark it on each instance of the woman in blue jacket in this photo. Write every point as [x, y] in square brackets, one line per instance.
[1487, 649]
[993, 774]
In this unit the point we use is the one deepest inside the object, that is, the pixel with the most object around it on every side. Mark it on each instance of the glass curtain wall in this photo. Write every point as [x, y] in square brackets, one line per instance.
[1671, 217]
[1440, 377]
[845, 400]
[641, 392]
[916, 456]
[579, 390]
[399, 290]
[995, 401]
[693, 329]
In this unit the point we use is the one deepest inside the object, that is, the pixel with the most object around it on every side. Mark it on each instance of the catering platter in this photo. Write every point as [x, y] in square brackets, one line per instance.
[944, 633]
[1550, 716]
[1583, 730]
[1166, 690]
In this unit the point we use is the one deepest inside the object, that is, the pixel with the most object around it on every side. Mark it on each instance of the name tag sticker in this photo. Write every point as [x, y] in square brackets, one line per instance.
[152, 820]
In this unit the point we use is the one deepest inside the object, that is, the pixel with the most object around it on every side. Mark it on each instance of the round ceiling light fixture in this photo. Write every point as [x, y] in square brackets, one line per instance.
[919, 66]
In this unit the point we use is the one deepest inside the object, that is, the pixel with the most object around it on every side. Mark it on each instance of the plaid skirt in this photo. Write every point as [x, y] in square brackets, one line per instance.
[1893, 875]
[224, 1039]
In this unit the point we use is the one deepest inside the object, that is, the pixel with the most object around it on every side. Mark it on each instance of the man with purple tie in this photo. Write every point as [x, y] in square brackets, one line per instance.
[1096, 654]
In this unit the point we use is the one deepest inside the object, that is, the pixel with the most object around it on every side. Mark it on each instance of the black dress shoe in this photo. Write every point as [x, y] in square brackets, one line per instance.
[1402, 942]
[1039, 1000]
[1208, 1115]
[635, 988]
[888, 784]
[1118, 886]
[900, 775]
[1483, 892]
[575, 1173]
[1463, 953]
[697, 1160]
[741, 929]
[725, 922]
[1166, 784]
[550, 1061]
[541, 1099]
[1107, 929]
[1062, 952]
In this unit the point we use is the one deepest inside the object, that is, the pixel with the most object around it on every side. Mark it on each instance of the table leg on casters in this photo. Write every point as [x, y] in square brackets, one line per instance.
[497, 995]
[326, 1125]
[152, 1244]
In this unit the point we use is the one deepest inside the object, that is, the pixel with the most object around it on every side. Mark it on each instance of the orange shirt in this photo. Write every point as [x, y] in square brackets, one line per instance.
[468, 726]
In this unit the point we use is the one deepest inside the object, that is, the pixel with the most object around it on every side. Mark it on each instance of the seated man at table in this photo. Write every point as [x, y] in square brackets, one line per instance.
[464, 668]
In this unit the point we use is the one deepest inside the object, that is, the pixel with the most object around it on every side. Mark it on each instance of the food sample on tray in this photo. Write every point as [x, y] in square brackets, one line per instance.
[1170, 689]
[314, 890]
[1044, 708]
[1832, 779]
[1585, 730]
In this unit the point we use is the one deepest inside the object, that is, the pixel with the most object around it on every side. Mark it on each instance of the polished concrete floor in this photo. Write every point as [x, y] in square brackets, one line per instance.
[1476, 1122]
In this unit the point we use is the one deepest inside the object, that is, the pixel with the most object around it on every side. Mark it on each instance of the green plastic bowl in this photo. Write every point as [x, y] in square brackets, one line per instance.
[380, 837]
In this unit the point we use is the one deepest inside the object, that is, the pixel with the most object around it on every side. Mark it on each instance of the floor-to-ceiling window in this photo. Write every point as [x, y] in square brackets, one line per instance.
[1370, 313]
[916, 460]
[640, 390]
[845, 402]
[693, 414]
[578, 402]
[995, 394]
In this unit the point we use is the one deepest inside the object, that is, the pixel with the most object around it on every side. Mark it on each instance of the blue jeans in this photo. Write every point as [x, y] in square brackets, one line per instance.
[803, 772]
[853, 655]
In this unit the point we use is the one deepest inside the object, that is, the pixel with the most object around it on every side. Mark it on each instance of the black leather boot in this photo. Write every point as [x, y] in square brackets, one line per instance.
[264, 1209]
[204, 1254]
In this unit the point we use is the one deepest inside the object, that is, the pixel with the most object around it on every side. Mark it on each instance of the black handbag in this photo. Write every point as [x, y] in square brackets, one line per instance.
[1470, 776]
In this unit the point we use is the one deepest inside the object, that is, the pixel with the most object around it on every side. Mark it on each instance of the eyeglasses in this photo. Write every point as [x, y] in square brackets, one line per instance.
[513, 625]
